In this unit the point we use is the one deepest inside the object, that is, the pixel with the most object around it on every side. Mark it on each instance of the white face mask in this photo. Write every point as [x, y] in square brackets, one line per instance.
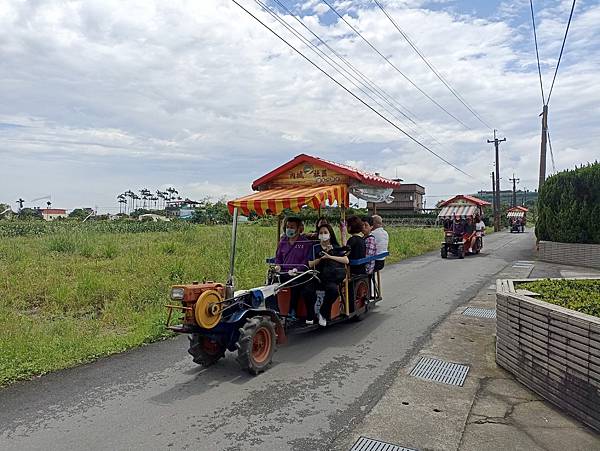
[324, 236]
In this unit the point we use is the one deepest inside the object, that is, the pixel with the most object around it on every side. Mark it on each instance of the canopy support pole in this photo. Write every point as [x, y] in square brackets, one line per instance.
[343, 225]
[278, 228]
[230, 286]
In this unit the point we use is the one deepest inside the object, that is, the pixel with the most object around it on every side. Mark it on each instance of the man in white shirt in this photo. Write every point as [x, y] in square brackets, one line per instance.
[381, 240]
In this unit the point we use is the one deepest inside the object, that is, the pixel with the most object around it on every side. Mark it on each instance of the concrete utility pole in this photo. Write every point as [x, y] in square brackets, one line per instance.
[543, 147]
[493, 195]
[497, 142]
[514, 196]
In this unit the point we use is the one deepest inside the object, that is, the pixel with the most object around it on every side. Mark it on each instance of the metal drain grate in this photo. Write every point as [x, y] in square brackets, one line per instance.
[437, 370]
[480, 312]
[369, 444]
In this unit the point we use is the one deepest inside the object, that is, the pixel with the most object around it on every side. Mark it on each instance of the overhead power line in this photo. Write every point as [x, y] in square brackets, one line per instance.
[431, 67]
[394, 66]
[537, 53]
[332, 63]
[326, 58]
[561, 51]
[416, 141]
[360, 74]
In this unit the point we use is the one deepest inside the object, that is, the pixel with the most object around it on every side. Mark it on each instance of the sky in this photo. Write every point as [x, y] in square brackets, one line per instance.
[98, 97]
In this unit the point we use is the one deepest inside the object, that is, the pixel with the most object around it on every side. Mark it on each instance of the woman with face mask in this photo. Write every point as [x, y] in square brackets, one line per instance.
[329, 259]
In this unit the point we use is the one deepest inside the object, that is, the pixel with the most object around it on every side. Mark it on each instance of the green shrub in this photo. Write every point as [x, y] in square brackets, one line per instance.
[579, 295]
[569, 206]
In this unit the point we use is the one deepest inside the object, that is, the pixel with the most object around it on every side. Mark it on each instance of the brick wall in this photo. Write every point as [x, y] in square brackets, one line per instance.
[570, 253]
[552, 350]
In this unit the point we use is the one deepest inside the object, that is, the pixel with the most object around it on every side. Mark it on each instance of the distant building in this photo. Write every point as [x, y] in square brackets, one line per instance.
[408, 200]
[182, 208]
[50, 214]
[152, 217]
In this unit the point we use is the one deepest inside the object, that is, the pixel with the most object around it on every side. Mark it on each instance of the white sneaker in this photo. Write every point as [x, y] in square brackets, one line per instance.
[470, 250]
[310, 322]
[322, 321]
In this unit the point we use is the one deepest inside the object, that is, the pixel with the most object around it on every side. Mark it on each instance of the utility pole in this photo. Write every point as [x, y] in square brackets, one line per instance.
[497, 142]
[514, 196]
[493, 195]
[543, 147]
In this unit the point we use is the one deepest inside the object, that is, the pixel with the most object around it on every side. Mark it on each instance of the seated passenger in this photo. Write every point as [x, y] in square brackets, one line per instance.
[292, 254]
[329, 259]
[458, 228]
[469, 234]
[479, 225]
[381, 240]
[356, 243]
[321, 221]
[370, 244]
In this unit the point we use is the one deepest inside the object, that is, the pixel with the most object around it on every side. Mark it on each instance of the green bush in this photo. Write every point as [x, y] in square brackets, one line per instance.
[579, 295]
[569, 206]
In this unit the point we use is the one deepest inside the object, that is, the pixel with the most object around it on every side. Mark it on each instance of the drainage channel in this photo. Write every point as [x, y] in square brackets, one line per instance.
[369, 444]
[436, 370]
[480, 312]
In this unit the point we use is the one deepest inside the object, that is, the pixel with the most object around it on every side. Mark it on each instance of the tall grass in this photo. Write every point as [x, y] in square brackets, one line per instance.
[72, 295]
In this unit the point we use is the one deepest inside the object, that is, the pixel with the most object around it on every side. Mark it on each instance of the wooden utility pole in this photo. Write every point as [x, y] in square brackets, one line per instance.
[497, 142]
[514, 196]
[542, 178]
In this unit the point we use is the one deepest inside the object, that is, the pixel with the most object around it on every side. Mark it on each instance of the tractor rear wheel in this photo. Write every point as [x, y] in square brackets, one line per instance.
[256, 344]
[205, 351]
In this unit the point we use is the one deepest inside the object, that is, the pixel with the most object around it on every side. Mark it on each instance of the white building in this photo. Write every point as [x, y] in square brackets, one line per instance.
[50, 214]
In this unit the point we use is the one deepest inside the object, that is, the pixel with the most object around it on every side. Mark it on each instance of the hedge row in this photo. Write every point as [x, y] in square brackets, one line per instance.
[569, 206]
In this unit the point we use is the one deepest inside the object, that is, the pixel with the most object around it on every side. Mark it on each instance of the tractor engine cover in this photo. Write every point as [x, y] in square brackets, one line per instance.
[191, 293]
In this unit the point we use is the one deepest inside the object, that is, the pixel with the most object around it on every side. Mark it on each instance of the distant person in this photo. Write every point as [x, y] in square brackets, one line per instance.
[370, 243]
[292, 256]
[469, 233]
[356, 243]
[458, 229]
[479, 225]
[381, 241]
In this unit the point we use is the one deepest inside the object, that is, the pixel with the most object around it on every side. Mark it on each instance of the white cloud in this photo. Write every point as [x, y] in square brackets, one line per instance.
[198, 94]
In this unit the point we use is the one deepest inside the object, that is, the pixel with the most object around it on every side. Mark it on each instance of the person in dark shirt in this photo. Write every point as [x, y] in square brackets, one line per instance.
[458, 228]
[356, 243]
[329, 259]
[469, 234]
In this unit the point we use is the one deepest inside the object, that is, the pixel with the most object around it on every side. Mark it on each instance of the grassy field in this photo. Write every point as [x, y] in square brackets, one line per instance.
[70, 294]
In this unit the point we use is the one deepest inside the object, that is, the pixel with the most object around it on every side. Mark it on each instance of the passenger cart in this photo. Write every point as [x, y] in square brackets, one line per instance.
[253, 322]
[460, 207]
[517, 219]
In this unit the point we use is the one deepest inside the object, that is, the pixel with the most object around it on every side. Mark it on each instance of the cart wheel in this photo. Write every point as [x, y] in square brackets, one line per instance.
[361, 294]
[444, 252]
[461, 251]
[205, 351]
[256, 344]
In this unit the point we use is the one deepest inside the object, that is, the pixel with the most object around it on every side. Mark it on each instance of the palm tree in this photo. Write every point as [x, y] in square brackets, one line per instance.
[49, 204]
[121, 199]
[20, 202]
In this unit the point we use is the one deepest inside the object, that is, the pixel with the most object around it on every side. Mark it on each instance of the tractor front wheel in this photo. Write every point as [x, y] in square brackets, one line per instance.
[205, 351]
[256, 344]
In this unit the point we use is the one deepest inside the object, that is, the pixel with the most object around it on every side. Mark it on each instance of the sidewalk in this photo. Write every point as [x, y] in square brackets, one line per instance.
[491, 411]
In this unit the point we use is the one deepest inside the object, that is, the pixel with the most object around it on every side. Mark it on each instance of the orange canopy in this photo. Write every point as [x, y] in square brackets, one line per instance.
[274, 201]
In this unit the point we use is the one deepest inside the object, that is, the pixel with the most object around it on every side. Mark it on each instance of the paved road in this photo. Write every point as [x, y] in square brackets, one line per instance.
[319, 386]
